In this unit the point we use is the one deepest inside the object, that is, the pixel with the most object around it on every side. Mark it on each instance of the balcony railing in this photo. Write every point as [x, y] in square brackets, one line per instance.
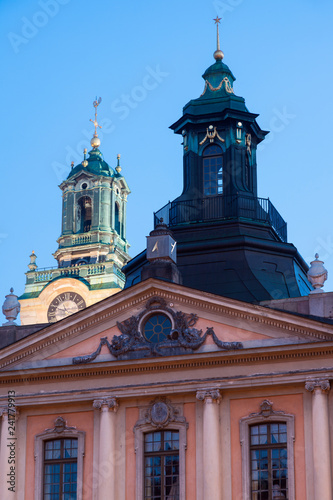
[212, 208]
[46, 275]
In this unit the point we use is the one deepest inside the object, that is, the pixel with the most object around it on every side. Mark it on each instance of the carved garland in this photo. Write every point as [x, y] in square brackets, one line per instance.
[224, 81]
[183, 337]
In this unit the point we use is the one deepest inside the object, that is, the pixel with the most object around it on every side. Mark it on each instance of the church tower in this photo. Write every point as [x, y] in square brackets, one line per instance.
[229, 241]
[92, 247]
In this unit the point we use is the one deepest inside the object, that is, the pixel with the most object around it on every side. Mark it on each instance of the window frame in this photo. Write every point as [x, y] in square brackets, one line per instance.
[49, 435]
[244, 429]
[139, 431]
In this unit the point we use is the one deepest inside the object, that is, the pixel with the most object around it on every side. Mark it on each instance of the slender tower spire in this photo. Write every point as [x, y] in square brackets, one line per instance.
[95, 141]
[218, 54]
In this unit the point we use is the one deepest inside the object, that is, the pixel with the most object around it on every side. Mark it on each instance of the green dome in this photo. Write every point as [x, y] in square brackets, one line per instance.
[96, 165]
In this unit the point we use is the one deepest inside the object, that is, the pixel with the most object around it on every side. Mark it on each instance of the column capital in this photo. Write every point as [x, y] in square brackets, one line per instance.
[318, 383]
[209, 395]
[106, 404]
[11, 413]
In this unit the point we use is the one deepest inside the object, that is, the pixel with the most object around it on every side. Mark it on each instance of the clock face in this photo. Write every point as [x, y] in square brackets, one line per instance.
[63, 305]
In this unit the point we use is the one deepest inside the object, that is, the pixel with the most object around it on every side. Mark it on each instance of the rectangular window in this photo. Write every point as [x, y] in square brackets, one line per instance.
[60, 469]
[161, 465]
[269, 461]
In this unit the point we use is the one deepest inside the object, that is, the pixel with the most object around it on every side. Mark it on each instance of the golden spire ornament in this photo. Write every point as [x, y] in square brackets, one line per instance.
[218, 54]
[95, 141]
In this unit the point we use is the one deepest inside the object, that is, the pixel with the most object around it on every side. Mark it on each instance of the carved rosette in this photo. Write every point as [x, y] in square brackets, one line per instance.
[106, 404]
[209, 395]
[318, 383]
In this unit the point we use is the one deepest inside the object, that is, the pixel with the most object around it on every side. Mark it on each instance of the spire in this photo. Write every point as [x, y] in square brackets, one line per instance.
[95, 141]
[218, 54]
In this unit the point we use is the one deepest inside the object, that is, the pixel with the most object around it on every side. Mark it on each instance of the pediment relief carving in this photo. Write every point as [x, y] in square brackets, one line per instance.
[158, 330]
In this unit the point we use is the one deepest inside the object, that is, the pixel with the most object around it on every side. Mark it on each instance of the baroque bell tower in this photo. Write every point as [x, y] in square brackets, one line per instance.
[92, 247]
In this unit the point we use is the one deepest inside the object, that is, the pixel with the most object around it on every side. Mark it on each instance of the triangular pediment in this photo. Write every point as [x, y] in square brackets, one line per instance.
[201, 324]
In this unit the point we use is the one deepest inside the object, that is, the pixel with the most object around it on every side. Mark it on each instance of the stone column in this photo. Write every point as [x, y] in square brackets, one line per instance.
[107, 448]
[211, 443]
[321, 438]
[8, 455]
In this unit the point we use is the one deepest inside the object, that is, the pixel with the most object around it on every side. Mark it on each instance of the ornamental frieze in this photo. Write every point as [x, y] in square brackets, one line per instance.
[158, 330]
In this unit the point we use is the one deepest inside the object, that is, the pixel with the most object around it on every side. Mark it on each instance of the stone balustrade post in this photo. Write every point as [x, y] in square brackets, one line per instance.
[107, 448]
[321, 438]
[211, 443]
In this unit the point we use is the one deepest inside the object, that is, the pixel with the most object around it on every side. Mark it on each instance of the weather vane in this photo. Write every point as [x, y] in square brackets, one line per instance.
[96, 103]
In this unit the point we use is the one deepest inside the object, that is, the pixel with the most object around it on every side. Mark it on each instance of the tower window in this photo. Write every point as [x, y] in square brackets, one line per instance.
[212, 170]
[117, 219]
[84, 214]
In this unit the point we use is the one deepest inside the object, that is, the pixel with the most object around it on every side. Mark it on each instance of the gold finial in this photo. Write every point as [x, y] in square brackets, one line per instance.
[84, 163]
[218, 54]
[72, 164]
[118, 167]
[95, 141]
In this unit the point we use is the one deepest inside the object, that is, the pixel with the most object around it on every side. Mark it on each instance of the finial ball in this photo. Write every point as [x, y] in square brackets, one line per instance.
[218, 55]
[95, 142]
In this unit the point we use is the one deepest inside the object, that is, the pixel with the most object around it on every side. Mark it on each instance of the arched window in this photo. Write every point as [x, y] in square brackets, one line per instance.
[117, 219]
[84, 214]
[212, 170]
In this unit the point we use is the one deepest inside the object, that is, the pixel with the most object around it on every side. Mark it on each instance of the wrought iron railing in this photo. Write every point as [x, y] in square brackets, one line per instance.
[220, 207]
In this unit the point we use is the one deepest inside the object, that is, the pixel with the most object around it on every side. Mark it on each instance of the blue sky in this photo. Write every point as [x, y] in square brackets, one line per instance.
[58, 55]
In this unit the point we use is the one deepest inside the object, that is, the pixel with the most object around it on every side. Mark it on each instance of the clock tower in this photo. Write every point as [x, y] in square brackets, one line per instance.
[92, 247]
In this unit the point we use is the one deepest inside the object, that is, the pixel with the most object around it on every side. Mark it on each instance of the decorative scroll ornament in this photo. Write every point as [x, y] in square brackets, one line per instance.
[160, 413]
[266, 410]
[317, 383]
[211, 134]
[132, 343]
[248, 143]
[111, 403]
[225, 81]
[205, 394]
[60, 426]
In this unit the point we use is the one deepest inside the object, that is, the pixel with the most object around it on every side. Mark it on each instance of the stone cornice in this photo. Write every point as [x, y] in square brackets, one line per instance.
[200, 361]
[98, 314]
[287, 382]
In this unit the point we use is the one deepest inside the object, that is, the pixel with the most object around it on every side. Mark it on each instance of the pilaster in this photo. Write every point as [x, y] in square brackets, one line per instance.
[107, 435]
[321, 438]
[211, 443]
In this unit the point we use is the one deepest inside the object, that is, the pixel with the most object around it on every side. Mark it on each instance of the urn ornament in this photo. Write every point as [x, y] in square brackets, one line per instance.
[317, 274]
